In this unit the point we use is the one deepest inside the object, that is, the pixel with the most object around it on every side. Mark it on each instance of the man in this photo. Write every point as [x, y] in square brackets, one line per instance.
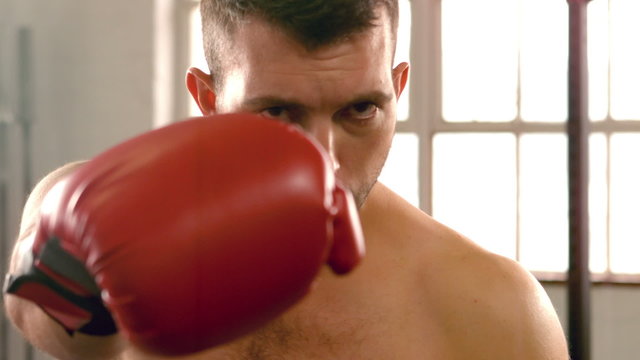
[422, 291]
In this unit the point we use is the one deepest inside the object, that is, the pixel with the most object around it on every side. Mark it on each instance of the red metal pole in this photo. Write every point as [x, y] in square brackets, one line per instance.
[579, 282]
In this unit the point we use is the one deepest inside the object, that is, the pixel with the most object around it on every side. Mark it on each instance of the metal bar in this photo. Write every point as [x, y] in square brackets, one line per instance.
[4, 207]
[579, 296]
[25, 100]
[24, 118]
[4, 232]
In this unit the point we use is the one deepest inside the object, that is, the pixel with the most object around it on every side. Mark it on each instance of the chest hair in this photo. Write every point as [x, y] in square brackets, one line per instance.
[314, 336]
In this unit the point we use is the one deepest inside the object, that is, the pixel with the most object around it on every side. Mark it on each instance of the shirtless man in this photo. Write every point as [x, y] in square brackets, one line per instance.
[422, 291]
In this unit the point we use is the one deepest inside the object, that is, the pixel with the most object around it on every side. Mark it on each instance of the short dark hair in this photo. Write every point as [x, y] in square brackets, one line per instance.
[313, 23]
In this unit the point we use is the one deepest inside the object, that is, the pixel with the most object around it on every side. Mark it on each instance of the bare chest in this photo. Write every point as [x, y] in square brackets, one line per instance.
[323, 334]
[335, 324]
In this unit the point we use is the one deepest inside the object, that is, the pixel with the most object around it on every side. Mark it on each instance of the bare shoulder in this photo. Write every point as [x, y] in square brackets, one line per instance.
[484, 305]
[31, 210]
[32, 206]
[492, 305]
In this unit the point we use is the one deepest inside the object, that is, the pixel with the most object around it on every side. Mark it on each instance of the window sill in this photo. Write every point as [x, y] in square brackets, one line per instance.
[596, 278]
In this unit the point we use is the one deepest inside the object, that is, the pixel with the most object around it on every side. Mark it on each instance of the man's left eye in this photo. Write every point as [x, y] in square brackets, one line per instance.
[362, 111]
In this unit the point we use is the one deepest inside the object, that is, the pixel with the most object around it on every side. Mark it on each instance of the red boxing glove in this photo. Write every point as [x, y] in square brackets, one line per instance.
[191, 235]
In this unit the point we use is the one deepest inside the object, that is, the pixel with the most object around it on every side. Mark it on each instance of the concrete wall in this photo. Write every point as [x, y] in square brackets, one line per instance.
[93, 85]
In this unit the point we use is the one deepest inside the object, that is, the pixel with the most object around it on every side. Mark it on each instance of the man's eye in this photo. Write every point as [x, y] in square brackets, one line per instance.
[274, 112]
[362, 111]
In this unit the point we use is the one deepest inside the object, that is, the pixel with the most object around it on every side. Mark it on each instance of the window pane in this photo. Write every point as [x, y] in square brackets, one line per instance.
[479, 60]
[598, 202]
[403, 49]
[625, 203]
[400, 172]
[598, 47]
[474, 188]
[625, 57]
[196, 55]
[544, 57]
[543, 202]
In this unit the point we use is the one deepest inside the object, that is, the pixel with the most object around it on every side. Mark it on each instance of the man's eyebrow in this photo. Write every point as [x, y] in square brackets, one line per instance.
[376, 96]
[265, 102]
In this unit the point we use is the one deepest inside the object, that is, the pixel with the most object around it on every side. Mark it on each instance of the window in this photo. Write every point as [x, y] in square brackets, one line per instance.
[499, 148]
[480, 140]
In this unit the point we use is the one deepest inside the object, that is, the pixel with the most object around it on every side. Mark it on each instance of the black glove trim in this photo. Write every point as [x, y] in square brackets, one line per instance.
[101, 323]
[63, 263]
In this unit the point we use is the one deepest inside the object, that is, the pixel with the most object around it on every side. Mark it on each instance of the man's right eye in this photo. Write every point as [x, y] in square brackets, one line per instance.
[276, 112]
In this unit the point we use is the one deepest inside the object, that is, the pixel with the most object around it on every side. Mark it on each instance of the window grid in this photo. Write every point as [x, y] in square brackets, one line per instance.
[436, 124]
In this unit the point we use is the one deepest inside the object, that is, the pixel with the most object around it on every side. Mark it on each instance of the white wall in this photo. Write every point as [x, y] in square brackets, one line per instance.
[93, 87]
[615, 319]
[92, 75]
[92, 67]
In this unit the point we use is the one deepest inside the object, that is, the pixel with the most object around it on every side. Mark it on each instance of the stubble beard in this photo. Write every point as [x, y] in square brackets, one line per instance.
[360, 196]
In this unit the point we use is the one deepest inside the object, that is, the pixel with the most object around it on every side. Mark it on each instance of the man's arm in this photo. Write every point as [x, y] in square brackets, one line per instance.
[36, 326]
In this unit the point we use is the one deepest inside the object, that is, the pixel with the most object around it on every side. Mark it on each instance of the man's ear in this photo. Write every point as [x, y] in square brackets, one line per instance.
[400, 76]
[200, 85]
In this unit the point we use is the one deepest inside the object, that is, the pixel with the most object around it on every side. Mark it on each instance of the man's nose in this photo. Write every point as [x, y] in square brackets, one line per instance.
[322, 130]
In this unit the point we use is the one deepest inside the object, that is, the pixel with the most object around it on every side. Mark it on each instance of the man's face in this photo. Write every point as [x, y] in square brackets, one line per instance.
[343, 95]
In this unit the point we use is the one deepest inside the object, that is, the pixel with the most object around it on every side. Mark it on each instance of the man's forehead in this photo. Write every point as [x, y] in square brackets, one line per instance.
[265, 63]
[262, 92]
